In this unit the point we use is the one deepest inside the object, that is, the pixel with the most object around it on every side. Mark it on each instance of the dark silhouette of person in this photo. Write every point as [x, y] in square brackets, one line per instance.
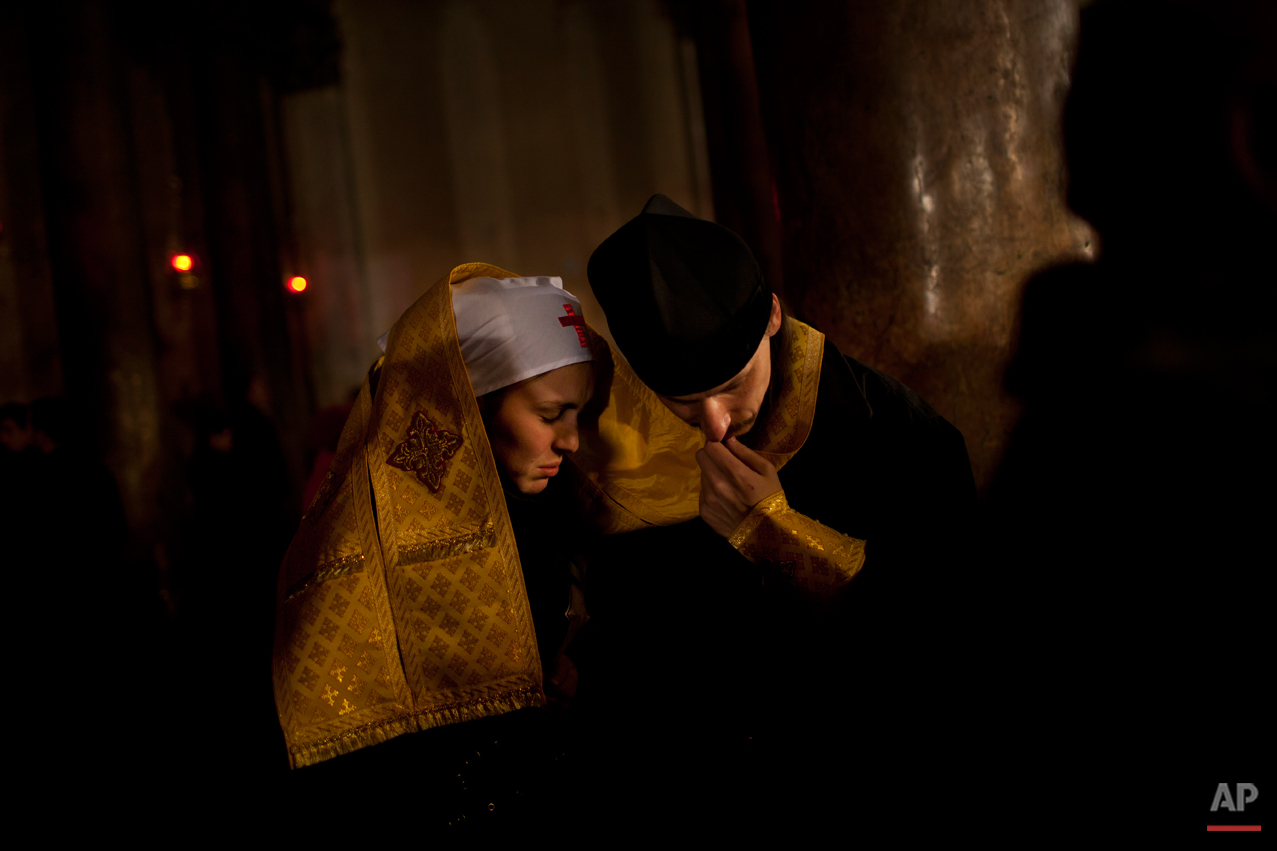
[72, 593]
[71, 490]
[238, 531]
[18, 455]
[15, 427]
[19, 458]
[1129, 519]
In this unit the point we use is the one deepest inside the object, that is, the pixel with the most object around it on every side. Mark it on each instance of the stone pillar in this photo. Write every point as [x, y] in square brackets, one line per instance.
[921, 181]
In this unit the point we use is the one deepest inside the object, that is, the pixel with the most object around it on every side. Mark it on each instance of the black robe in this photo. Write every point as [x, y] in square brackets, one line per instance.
[708, 658]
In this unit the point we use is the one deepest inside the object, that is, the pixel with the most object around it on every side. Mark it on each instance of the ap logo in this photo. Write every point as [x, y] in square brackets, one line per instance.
[1234, 806]
[1234, 803]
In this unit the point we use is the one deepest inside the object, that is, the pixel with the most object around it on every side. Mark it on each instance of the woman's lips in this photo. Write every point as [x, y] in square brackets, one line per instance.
[549, 469]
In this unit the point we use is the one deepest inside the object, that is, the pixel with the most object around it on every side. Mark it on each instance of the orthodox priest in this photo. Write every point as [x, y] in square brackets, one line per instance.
[799, 585]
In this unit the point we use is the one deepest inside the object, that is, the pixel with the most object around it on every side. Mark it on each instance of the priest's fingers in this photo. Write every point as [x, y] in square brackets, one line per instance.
[751, 484]
[727, 495]
[727, 463]
[713, 473]
[715, 477]
[716, 515]
[738, 485]
[749, 457]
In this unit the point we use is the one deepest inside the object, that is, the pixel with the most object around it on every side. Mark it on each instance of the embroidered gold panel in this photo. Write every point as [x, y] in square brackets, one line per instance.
[402, 604]
[789, 421]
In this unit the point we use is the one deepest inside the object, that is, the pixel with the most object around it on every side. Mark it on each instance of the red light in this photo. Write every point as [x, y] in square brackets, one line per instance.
[183, 262]
[297, 284]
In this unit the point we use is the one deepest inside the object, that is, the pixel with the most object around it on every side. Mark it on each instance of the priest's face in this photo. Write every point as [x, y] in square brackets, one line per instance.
[731, 409]
[532, 425]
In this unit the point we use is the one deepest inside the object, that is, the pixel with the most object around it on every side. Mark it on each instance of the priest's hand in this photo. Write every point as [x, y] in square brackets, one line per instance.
[734, 478]
[560, 688]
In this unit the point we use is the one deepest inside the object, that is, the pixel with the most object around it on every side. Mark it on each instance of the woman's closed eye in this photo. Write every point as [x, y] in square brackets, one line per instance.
[555, 413]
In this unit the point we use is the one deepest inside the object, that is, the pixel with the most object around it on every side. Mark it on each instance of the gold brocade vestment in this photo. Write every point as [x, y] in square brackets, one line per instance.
[401, 601]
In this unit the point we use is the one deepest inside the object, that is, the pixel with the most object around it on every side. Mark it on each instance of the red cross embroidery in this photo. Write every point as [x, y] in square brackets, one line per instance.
[576, 322]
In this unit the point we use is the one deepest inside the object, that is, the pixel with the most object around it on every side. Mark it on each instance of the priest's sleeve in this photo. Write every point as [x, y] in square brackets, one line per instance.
[815, 558]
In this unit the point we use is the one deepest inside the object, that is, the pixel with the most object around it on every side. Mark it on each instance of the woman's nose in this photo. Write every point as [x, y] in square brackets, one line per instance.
[567, 440]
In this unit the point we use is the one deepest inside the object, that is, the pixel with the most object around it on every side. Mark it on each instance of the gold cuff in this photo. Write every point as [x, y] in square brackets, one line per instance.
[812, 556]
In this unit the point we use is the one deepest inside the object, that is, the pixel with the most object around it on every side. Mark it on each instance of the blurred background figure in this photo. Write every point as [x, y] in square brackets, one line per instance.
[1131, 513]
[64, 534]
[17, 456]
[15, 427]
[240, 525]
[66, 488]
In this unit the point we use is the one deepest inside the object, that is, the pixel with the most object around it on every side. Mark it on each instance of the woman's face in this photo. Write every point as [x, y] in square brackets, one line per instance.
[531, 426]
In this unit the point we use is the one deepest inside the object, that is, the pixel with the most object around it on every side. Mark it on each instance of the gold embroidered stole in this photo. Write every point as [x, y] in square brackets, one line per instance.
[636, 466]
[402, 604]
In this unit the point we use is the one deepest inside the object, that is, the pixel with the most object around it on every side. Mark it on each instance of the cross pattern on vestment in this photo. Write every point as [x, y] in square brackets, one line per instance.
[425, 451]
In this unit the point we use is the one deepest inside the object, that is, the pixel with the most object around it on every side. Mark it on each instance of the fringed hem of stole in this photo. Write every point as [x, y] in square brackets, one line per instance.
[383, 731]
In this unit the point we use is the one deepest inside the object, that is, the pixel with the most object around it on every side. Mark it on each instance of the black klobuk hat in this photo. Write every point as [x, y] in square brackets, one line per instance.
[685, 299]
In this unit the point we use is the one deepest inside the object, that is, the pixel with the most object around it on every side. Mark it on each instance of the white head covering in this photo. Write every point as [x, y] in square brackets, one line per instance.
[516, 328]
